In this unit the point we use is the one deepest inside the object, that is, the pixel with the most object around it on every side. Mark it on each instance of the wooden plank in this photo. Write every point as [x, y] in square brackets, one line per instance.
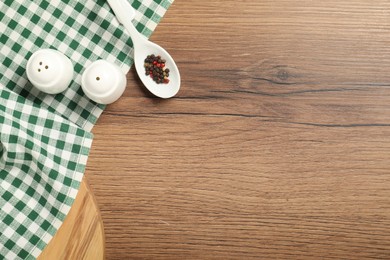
[277, 146]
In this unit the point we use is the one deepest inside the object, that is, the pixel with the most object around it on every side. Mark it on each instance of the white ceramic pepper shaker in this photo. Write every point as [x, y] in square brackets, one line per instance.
[49, 71]
[103, 82]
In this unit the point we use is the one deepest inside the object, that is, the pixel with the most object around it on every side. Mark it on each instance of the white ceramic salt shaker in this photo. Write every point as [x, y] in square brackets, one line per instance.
[49, 71]
[103, 82]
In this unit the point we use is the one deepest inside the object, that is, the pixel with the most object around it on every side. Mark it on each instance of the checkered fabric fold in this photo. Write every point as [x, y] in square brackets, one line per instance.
[43, 158]
[45, 139]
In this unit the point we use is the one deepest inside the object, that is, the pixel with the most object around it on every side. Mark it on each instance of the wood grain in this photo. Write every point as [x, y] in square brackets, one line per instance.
[81, 236]
[277, 146]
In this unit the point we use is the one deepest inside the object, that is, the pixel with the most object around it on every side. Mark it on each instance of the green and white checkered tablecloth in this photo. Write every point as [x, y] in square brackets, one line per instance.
[45, 139]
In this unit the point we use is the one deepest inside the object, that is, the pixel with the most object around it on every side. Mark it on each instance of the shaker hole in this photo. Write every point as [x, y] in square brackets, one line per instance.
[97, 78]
[46, 67]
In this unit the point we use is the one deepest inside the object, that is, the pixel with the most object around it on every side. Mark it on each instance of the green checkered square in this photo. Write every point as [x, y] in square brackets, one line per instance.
[43, 147]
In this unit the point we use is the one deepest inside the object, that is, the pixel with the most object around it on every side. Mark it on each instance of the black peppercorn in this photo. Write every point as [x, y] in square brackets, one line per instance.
[155, 68]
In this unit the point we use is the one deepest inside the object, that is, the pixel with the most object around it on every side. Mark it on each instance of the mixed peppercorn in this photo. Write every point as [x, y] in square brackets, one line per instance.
[155, 68]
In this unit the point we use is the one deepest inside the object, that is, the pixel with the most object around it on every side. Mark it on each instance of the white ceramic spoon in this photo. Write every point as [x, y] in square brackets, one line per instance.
[124, 12]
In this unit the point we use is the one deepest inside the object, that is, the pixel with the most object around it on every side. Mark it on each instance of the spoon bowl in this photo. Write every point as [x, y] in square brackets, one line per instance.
[165, 90]
[142, 48]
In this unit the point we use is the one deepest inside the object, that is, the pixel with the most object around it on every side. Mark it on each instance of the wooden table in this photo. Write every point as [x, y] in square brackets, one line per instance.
[277, 146]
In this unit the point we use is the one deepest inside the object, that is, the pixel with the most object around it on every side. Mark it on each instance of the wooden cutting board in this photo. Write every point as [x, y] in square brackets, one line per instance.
[81, 236]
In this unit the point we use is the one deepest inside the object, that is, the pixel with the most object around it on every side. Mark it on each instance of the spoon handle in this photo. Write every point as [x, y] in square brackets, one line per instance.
[124, 12]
